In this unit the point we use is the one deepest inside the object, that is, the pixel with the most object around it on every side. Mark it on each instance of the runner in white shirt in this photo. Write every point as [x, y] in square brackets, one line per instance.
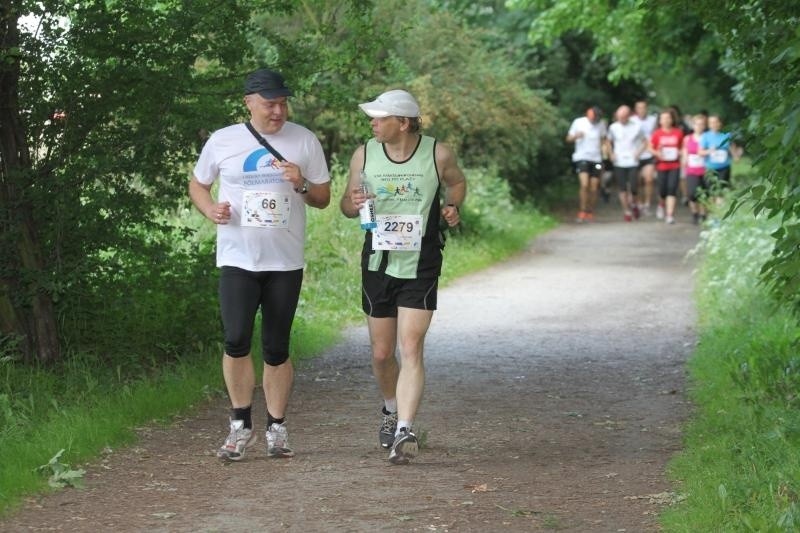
[587, 133]
[647, 162]
[626, 142]
[267, 176]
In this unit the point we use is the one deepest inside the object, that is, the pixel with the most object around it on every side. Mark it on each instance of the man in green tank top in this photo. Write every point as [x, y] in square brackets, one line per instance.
[405, 174]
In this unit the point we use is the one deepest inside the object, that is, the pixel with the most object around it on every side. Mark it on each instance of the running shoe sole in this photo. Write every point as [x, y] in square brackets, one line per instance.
[404, 449]
[278, 445]
[280, 453]
[232, 455]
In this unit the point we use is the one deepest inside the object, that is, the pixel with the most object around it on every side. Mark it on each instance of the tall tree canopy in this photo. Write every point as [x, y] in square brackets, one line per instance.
[102, 105]
[99, 100]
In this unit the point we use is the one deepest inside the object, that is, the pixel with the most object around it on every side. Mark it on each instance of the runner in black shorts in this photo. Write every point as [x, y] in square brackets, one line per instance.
[406, 173]
[625, 143]
[587, 134]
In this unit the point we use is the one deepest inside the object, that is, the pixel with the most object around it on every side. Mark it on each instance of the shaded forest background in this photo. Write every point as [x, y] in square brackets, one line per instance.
[105, 104]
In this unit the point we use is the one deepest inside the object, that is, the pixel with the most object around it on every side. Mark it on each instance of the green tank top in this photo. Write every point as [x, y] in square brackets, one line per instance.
[408, 187]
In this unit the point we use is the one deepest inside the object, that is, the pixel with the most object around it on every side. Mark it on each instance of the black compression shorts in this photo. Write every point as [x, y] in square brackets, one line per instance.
[241, 293]
[668, 181]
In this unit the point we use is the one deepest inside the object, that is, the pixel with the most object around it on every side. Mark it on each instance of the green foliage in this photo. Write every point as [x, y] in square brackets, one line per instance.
[512, 126]
[84, 203]
[767, 61]
[327, 49]
[740, 467]
[60, 475]
[84, 408]
[567, 68]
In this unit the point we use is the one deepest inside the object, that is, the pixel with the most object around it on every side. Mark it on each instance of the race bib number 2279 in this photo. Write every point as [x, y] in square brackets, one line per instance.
[398, 232]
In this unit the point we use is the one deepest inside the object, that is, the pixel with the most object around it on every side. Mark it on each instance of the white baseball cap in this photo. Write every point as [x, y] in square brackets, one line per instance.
[397, 103]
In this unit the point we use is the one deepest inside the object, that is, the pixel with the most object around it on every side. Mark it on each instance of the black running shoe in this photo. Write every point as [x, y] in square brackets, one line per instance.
[387, 430]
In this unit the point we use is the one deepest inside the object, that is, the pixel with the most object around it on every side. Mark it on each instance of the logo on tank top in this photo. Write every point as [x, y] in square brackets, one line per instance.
[400, 188]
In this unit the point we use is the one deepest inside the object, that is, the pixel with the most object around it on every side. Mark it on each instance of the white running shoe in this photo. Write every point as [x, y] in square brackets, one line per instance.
[405, 447]
[660, 212]
[239, 439]
[278, 441]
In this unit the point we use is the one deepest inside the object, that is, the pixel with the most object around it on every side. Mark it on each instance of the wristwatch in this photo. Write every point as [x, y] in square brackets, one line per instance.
[304, 189]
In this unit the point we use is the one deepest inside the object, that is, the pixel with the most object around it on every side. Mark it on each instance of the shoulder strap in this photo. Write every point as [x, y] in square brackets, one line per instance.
[264, 142]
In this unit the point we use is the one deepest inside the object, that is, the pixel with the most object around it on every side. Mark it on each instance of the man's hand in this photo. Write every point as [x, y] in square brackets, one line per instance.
[292, 174]
[451, 215]
[219, 213]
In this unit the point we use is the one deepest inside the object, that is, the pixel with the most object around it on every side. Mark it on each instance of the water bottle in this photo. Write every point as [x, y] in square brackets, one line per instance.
[367, 212]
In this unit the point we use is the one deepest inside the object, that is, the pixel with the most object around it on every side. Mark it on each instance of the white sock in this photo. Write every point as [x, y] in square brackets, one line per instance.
[391, 405]
[402, 424]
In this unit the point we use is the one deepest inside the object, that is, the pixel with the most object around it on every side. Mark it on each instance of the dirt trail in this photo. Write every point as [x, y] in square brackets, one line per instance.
[554, 400]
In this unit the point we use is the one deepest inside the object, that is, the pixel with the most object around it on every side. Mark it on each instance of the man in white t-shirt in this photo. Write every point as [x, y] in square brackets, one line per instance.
[647, 162]
[268, 170]
[625, 142]
[587, 133]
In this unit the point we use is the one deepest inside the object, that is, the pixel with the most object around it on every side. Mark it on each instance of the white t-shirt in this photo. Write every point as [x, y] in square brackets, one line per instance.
[648, 125]
[266, 231]
[587, 148]
[627, 139]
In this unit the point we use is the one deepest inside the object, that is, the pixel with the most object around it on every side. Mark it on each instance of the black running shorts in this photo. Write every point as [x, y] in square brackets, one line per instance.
[593, 168]
[627, 179]
[381, 295]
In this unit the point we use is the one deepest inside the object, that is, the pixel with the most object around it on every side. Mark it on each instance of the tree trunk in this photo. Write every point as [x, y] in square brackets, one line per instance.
[27, 313]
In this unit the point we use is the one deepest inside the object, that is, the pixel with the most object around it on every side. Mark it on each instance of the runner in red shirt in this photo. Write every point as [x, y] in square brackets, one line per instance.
[666, 143]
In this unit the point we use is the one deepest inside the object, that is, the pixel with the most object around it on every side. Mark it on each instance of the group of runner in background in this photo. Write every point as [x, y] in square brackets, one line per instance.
[647, 154]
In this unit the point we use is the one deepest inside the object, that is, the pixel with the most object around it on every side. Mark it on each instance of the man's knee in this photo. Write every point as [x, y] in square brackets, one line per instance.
[382, 357]
[275, 357]
[411, 347]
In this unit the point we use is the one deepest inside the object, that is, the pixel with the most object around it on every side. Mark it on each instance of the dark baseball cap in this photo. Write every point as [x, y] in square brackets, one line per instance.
[267, 83]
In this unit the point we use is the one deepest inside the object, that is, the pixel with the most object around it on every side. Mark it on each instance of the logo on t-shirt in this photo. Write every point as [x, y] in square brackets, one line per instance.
[260, 159]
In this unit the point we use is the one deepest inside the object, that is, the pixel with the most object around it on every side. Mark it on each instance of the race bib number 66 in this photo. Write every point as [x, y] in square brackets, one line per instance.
[398, 232]
[266, 209]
